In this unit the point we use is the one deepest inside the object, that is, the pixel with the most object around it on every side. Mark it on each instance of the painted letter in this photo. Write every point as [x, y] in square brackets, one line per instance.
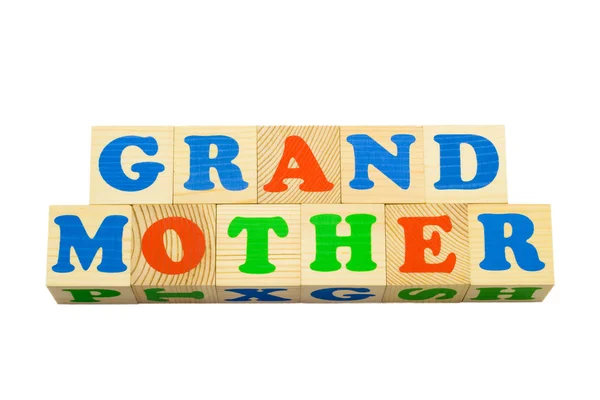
[192, 243]
[257, 241]
[427, 294]
[90, 295]
[415, 244]
[368, 152]
[308, 170]
[159, 294]
[329, 294]
[258, 294]
[111, 170]
[327, 242]
[494, 293]
[450, 172]
[495, 243]
[109, 238]
[230, 174]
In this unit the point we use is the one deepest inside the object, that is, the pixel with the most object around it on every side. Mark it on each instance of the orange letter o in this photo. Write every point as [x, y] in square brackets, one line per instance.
[192, 243]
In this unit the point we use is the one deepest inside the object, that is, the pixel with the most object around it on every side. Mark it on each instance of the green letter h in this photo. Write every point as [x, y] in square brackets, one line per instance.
[327, 242]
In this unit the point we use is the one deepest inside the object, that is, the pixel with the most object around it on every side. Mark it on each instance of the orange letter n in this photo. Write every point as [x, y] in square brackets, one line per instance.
[308, 170]
[415, 244]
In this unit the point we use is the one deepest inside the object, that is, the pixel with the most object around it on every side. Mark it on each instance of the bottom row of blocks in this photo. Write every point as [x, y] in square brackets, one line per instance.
[291, 253]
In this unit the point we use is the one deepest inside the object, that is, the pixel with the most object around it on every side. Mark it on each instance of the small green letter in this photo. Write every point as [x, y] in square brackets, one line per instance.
[257, 241]
[427, 294]
[494, 293]
[327, 242]
[156, 294]
[90, 295]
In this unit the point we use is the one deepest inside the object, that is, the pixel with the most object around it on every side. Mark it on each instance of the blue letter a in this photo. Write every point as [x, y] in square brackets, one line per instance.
[109, 238]
[368, 152]
[450, 172]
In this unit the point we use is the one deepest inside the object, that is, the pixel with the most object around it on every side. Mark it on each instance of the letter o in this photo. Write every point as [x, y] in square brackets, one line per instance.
[192, 243]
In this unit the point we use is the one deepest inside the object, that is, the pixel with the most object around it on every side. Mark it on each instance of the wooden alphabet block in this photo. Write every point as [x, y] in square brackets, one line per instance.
[383, 163]
[465, 164]
[89, 254]
[174, 253]
[427, 253]
[343, 253]
[299, 164]
[215, 164]
[132, 165]
[258, 253]
[511, 252]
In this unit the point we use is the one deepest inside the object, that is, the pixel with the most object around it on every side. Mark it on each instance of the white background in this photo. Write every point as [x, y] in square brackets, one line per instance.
[532, 66]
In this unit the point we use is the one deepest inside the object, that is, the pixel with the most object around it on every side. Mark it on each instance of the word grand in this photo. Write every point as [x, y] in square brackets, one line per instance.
[283, 214]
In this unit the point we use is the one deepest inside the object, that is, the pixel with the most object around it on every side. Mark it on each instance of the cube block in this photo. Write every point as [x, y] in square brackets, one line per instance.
[298, 164]
[427, 248]
[174, 253]
[258, 253]
[343, 253]
[131, 165]
[511, 252]
[89, 254]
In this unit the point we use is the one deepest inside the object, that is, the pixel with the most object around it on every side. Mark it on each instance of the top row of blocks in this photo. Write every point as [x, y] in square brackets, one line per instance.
[298, 164]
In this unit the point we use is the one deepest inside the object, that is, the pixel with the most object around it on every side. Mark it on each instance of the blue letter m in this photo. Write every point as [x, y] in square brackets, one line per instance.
[109, 238]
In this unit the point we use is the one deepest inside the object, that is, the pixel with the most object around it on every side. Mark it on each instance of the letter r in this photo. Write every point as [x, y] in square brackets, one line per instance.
[495, 242]
[201, 163]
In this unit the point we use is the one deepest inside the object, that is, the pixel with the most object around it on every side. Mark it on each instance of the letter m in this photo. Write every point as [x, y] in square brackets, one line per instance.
[109, 238]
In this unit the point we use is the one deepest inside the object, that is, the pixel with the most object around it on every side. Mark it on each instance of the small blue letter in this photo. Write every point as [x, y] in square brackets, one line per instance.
[329, 294]
[258, 294]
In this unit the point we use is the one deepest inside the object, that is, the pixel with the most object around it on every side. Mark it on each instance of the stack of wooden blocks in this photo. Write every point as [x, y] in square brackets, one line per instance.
[299, 214]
